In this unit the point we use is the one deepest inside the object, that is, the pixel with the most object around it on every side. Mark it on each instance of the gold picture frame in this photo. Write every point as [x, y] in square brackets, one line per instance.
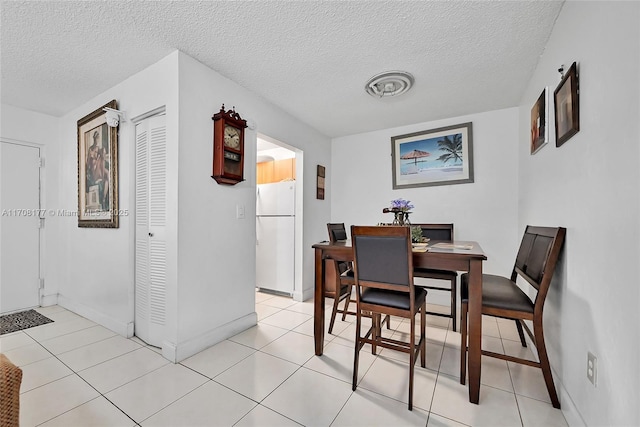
[98, 170]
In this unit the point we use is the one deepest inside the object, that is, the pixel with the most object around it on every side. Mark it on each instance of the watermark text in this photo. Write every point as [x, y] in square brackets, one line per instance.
[43, 213]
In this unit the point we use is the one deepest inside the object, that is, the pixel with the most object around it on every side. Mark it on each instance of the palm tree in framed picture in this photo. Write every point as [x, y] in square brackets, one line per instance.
[452, 148]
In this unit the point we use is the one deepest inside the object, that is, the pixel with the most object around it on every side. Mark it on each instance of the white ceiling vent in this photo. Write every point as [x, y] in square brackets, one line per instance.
[389, 83]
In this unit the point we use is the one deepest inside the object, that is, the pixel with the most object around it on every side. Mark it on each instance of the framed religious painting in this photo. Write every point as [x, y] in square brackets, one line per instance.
[439, 156]
[567, 106]
[97, 170]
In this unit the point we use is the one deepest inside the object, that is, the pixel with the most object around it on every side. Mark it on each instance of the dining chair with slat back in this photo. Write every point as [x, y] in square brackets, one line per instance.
[439, 232]
[341, 287]
[343, 279]
[502, 297]
[383, 263]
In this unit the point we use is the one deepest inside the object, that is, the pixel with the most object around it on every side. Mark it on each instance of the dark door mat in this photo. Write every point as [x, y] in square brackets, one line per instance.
[23, 320]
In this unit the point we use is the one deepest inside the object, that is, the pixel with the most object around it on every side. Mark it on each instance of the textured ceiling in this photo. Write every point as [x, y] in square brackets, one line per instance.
[310, 58]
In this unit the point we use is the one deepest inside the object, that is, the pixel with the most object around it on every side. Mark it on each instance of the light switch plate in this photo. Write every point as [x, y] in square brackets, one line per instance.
[592, 368]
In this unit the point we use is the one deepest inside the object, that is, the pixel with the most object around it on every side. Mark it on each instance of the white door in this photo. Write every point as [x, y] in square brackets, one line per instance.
[151, 250]
[20, 242]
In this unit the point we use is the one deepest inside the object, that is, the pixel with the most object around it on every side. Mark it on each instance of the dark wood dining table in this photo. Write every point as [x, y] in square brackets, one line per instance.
[455, 258]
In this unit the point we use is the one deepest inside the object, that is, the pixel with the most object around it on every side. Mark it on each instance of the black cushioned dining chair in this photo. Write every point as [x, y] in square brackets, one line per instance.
[340, 288]
[502, 297]
[341, 278]
[383, 265]
[439, 232]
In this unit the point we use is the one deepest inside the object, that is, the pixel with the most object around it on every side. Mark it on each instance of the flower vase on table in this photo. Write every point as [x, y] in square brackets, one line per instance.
[401, 209]
[401, 218]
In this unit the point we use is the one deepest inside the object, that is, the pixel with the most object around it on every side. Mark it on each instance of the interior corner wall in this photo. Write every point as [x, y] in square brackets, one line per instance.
[591, 186]
[24, 126]
[216, 250]
[96, 277]
[484, 211]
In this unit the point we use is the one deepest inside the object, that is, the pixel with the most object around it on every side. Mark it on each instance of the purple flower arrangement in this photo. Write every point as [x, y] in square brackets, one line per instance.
[401, 205]
[401, 210]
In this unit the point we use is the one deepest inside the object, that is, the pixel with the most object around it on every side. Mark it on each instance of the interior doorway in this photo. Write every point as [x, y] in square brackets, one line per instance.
[279, 217]
[20, 226]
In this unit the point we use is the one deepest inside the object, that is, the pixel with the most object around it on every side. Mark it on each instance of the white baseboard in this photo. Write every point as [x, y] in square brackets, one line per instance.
[169, 351]
[569, 409]
[298, 296]
[307, 294]
[120, 327]
[47, 300]
[185, 349]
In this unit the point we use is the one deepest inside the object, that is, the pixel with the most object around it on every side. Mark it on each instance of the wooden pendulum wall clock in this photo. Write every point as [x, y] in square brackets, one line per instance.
[228, 147]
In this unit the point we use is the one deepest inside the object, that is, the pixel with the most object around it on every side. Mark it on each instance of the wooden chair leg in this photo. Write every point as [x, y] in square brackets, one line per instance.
[521, 332]
[453, 303]
[544, 363]
[336, 300]
[376, 331]
[463, 342]
[423, 335]
[412, 360]
[346, 303]
[356, 356]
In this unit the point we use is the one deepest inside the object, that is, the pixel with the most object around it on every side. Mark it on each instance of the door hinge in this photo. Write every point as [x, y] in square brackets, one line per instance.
[41, 223]
[41, 283]
[40, 162]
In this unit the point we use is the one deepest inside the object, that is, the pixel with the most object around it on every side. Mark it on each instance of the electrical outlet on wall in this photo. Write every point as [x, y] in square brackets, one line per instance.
[592, 369]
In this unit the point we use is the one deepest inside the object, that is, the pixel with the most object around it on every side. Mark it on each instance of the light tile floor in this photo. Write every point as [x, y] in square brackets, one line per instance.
[77, 373]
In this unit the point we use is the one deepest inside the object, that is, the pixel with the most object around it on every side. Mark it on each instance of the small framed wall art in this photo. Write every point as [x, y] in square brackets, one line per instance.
[98, 170]
[539, 122]
[320, 183]
[567, 106]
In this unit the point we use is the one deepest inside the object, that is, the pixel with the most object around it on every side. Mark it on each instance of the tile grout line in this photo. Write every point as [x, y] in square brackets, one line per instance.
[89, 384]
[433, 396]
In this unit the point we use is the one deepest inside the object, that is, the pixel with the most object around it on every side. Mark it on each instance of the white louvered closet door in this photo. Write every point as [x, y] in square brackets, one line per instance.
[151, 247]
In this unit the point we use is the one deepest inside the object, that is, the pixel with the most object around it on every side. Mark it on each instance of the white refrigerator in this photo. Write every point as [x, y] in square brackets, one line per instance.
[275, 225]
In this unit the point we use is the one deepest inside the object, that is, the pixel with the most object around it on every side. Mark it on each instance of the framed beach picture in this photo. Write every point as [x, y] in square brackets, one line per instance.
[97, 170]
[539, 122]
[567, 106]
[440, 156]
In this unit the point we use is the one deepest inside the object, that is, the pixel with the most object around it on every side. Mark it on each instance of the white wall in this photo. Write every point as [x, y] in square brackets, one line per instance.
[484, 211]
[29, 127]
[590, 185]
[216, 283]
[97, 265]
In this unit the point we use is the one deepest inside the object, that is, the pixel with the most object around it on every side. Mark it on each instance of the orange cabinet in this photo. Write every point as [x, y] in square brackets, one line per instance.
[264, 172]
[276, 171]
